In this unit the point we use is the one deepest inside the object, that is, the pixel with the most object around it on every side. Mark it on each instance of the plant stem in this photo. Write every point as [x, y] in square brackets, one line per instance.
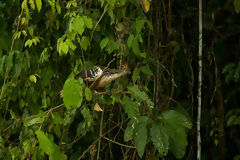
[199, 84]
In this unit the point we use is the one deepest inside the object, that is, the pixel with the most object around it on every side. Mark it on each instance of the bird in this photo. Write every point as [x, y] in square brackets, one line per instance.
[107, 76]
[101, 76]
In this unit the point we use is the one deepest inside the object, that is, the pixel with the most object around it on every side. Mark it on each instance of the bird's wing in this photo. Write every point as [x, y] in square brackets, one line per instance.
[91, 74]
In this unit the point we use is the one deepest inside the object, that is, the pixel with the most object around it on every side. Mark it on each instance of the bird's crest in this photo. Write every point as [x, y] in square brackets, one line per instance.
[125, 66]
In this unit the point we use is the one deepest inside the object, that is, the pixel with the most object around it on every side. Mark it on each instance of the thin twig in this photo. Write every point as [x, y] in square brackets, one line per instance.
[120, 144]
[7, 69]
[100, 134]
[105, 10]
[108, 64]
[87, 150]
[33, 116]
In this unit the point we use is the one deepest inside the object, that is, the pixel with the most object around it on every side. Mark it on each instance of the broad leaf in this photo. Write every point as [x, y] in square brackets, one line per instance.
[29, 121]
[128, 134]
[139, 95]
[135, 75]
[140, 135]
[130, 107]
[33, 78]
[84, 43]
[57, 119]
[64, 48]
[88, 22]
[139, 24]
[176, 125]
[129, 41]
[135, 47]
[39, 4]
[175, 118]
[159, 137]
[88, 94]
[104, 42]
[32, 4]
[78, 25]
[45, 144]
[145, 5]
[72, 93]
[87, 116]
[146, 70]
[237, 5]
[49, 147]
[70, 44]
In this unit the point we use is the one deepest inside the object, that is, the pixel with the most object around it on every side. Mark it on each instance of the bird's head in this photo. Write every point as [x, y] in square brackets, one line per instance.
[126, 69]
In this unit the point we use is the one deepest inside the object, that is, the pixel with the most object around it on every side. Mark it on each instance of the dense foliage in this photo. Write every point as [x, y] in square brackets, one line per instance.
[146, 115]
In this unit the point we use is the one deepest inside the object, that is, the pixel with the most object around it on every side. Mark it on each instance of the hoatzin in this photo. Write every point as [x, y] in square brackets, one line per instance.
[102, 76]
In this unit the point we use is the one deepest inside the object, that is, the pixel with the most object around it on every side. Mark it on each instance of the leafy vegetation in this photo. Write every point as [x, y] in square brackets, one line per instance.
[149, 114]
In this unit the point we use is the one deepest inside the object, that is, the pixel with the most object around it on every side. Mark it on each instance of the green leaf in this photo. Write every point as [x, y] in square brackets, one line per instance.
[45, 144]
[78, 25]
[88, 94]
[104, 42]
[64, 48]
[25, 8]
[30, 30]
[129, 41]
[9, 60]
[72, 93]
[28, 43]
[113, 46]
[175, 45]
[236, 5]
[30, 122]
[149, 23]
[111, 2]
[111, 15]
[33, 78]
[175, 118]
[87, 116]
[159, 138]
[32, 4]
[84, 43]
[176, 125]
[88, 22]
[57, 119]
[229, 67]
[2, 61]
[139, 24]
[140, 135]
[130, 107]
[135, 75]
[139, 95]
[146, 70]
[58, 7]
[70, 44]
[49, 147]
[128, 134]
[135, 47]
[39, 4]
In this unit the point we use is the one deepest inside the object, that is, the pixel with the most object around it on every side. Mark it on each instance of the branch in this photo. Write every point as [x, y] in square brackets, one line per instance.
[105, 10]
[124, 145]
[100, 135]
[88, 149]
[33, 116]
[7, 69]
